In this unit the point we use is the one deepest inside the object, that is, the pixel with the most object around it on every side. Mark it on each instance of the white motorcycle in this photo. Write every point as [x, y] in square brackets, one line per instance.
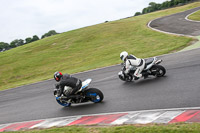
[152, 67]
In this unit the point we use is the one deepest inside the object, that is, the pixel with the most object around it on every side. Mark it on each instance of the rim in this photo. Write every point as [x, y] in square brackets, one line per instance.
[160, 72]
[129, 78]
[63, 103]
[97, 97]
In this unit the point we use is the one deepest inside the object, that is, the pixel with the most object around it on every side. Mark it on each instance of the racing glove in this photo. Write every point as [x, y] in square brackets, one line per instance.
[57, 86]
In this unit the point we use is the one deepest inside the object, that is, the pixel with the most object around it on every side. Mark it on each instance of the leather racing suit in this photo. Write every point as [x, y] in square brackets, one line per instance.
[131, 60]
[68, 81]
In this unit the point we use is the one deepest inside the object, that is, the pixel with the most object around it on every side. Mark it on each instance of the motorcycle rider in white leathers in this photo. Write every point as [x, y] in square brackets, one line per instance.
[131, 60]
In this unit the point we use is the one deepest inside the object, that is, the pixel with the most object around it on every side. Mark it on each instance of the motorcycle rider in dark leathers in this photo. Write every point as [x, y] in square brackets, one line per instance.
[131, 60]
[66, 81]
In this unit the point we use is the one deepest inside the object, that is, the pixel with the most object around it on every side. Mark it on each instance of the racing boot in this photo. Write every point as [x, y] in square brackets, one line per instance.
[63, 98]
[145, 75]
[136, 78]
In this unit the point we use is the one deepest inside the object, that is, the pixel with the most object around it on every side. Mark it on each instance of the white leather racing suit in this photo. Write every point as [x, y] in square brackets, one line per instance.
[137, 62]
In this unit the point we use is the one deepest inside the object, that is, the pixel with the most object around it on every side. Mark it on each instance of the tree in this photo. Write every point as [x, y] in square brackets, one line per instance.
[158, 6]
[144, 11]
[172, 2]
[28, 40]
[4, 46]
[50, 33]
[152, 4]
[183, 1]
[16, 43]
[165, 5]
[137, 13]
[35, 38]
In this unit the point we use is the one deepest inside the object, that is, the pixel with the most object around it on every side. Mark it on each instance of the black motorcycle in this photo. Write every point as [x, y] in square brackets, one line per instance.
[85, 94]
[152, 67]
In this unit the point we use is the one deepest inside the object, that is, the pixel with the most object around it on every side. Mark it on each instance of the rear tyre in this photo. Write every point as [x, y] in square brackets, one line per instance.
[95, 95]
[158, 70]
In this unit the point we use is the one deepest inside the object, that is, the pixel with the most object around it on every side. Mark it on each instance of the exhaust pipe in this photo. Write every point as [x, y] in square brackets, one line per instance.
[158, 61]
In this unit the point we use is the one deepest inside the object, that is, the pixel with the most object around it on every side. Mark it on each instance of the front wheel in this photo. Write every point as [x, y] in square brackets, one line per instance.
[129, 78]
[124, 77]
[95, 95]
[63, 103]
[158, 70]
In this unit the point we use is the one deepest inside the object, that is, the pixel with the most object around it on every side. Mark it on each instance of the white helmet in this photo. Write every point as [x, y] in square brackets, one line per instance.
[123, 55]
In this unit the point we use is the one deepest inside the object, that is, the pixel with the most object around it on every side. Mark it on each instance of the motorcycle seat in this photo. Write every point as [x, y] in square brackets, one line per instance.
[148, 61]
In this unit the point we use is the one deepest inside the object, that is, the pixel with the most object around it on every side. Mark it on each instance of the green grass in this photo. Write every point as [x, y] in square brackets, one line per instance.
[88, 48]
[195, 16]
[196, 45]
[150, 128]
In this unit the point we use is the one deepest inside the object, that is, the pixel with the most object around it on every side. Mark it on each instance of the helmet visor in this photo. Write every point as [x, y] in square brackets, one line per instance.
[122, 57]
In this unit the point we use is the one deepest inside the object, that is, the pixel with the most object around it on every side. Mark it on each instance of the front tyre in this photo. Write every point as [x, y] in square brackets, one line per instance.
[95, 95]
[63, 103]
[128, 78]
[158, 70]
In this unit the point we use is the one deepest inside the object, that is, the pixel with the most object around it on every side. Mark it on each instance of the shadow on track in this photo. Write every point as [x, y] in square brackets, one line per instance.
[147, 81]
[82, 106]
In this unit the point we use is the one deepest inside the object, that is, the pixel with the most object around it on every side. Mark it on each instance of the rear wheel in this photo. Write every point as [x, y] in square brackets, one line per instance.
[158, 70]
[95, 95]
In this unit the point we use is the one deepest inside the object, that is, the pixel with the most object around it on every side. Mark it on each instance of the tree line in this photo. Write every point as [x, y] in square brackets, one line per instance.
[19, 42]
[167, 4]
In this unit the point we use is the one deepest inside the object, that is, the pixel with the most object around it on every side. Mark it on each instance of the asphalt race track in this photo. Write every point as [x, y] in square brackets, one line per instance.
[178, 89]
[177, 23]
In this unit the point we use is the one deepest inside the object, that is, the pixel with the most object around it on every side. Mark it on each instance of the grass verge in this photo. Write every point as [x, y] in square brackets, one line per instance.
[195, 45]
[195, 16]
[88, 48]
[147, 128]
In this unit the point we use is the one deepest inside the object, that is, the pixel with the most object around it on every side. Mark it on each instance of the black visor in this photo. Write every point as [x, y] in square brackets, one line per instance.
[122, 57]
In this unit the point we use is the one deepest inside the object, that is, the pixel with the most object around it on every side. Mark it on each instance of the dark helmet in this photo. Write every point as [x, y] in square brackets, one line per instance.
[57, 76]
